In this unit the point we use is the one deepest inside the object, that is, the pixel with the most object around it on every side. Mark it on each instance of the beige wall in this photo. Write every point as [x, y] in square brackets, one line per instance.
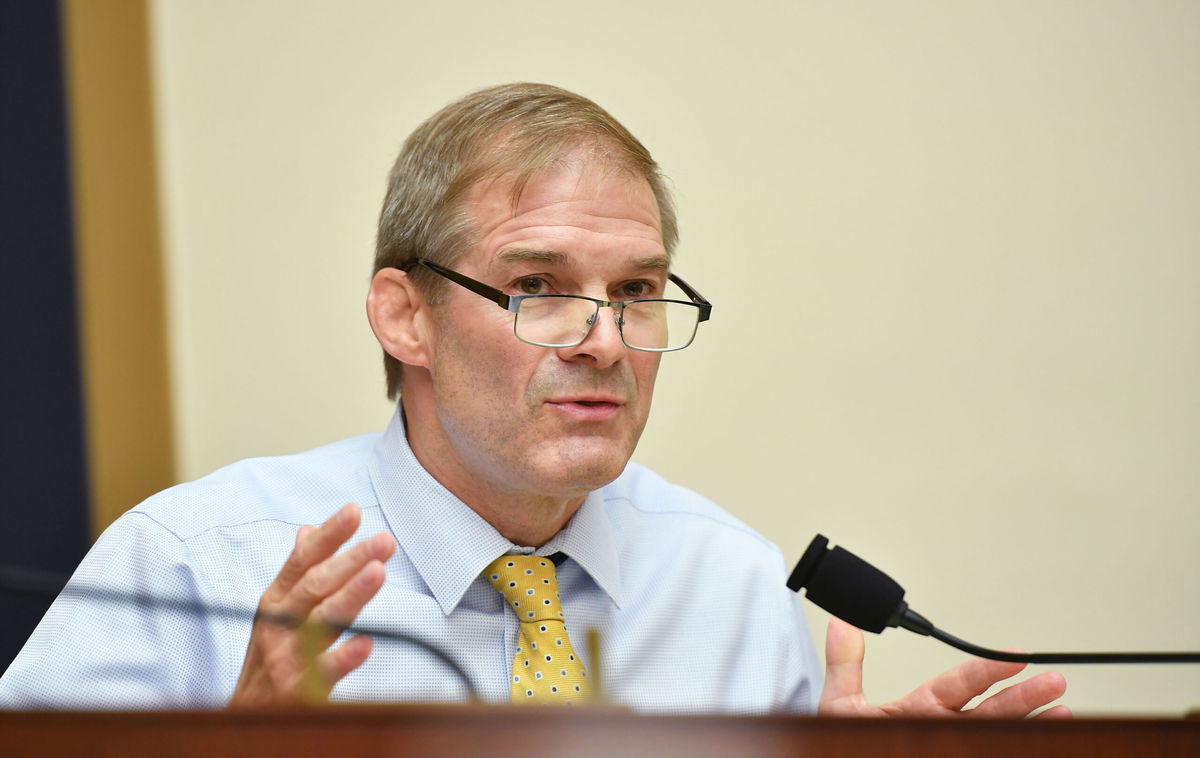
[954, 249]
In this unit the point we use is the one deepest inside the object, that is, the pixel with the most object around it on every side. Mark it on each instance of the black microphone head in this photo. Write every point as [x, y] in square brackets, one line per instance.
[848, 587]
[808, 563]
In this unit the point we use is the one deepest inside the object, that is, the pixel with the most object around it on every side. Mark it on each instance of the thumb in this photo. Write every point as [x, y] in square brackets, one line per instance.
[844, 652]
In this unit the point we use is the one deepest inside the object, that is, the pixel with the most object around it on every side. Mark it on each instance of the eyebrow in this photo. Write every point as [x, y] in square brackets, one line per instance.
[654, 262]
[555, 258]
[513, 254]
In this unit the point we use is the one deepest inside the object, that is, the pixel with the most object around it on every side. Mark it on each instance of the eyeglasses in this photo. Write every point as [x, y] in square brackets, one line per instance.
[655, 325]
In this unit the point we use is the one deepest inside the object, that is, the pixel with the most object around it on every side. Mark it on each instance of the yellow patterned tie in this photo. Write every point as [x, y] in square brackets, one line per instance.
[545, 668]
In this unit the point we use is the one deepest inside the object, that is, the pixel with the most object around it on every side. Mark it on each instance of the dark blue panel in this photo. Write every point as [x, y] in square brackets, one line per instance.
[43, 485]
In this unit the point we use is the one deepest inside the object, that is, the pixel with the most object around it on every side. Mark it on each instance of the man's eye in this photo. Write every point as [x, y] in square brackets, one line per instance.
[532, 286]
[630, 290]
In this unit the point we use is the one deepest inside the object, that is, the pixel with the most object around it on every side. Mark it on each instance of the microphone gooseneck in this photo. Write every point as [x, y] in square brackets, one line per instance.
[860, 594]
[20, 580]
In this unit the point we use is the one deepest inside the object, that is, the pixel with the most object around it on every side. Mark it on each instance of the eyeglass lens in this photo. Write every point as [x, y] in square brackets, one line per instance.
[564, 321]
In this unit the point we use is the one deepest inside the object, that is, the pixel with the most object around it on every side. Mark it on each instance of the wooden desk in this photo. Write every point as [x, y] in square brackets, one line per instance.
[497, 732]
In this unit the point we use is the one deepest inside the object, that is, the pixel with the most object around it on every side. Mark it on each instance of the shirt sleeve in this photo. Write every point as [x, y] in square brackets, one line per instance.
[133, 629]
[800, 658]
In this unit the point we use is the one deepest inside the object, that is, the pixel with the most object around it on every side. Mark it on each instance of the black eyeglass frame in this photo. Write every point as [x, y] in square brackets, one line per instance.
[512, 303]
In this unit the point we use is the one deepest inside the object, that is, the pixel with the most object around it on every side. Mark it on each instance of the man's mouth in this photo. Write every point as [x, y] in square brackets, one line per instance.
[587, 408]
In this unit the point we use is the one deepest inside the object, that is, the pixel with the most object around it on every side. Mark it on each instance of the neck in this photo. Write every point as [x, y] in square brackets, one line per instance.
[527, 522]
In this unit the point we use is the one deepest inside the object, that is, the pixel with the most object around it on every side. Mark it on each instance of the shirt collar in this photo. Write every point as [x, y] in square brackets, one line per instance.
[449, 544]
[588, 540]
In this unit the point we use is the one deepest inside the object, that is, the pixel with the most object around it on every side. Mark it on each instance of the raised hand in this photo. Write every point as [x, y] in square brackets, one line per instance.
[944, 695]
[316, 592]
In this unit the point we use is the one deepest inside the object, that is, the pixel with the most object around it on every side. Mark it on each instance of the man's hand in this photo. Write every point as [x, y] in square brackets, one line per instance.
[944, 695]
[317, 590]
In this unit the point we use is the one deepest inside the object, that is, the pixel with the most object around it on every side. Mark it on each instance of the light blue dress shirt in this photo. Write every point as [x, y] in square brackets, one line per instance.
[690, 603]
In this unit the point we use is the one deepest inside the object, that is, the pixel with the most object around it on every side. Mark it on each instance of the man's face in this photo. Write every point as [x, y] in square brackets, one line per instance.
[518, 419]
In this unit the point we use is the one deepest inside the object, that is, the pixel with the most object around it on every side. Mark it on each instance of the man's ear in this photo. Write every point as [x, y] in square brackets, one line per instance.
[399, 317]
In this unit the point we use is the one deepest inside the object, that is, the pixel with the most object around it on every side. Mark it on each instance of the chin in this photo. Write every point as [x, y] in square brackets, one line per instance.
[579, 471]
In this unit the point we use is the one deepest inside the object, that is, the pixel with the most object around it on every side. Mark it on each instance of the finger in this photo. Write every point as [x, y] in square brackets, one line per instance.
[314, 683]
[342, 607]
[334, 665]
[844, 653]
[314, 546]
[1056, 713]
[1020, 700]
[954, 688]
[328, 577]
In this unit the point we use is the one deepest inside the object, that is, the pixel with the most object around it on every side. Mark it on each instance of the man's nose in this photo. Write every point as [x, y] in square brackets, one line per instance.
[603, 344]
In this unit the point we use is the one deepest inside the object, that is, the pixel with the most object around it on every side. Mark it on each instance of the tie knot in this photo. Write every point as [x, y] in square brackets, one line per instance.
[528, 584]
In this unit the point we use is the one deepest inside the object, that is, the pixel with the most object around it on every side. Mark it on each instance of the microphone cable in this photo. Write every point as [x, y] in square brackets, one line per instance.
[18, 580]
[858, 593]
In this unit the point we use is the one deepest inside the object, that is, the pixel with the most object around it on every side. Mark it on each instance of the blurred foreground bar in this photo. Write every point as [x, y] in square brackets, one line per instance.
[499, 731]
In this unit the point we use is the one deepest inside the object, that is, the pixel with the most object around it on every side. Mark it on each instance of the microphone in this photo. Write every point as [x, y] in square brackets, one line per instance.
[860, 594]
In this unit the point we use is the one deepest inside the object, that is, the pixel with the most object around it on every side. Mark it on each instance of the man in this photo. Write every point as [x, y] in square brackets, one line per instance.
[523, 297]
